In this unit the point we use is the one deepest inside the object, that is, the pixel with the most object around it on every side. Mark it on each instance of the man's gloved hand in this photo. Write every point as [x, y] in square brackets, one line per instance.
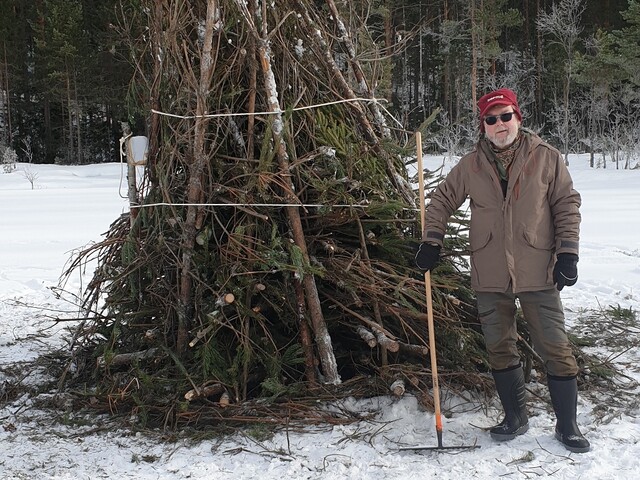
[565, 272]
[427, 256]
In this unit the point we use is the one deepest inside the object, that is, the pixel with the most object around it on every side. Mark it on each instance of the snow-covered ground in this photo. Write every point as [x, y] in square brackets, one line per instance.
[69, 207]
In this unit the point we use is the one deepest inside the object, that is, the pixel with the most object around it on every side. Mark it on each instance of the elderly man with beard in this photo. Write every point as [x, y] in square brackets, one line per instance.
[524, 235]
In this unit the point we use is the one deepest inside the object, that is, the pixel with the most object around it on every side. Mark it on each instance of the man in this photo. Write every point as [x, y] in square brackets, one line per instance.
[524, 234]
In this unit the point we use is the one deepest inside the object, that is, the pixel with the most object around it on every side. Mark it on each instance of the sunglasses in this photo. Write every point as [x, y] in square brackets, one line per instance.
[504, 118]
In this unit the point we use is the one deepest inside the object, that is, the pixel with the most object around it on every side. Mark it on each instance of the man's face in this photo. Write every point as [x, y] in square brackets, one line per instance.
[502, 133]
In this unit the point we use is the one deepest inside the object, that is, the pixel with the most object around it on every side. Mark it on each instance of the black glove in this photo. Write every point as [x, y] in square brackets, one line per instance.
[565, 272]
[427, 256]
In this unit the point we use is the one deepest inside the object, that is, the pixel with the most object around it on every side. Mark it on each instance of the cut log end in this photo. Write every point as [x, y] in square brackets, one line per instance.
[391, 345]
[397, 387]
[226, 299]
[367, 336]
[204, 391]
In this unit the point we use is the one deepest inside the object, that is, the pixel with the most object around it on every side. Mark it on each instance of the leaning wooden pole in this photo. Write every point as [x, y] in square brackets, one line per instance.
[320, 330]
[345, 39]
[368, 130]
[197, 169]
[133, 190]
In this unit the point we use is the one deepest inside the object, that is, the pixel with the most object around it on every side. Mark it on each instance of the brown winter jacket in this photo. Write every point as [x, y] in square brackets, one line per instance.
[514, 240]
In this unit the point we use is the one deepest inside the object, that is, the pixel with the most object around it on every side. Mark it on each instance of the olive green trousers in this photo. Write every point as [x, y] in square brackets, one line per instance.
[544, 317]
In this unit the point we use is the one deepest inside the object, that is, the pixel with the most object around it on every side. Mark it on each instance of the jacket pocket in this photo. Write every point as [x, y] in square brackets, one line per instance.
[538, 240]
[535, 264]
[482, 260]
[479, 242]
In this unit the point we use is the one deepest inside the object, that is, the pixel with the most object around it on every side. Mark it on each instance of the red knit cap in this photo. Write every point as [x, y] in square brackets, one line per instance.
[503, 96]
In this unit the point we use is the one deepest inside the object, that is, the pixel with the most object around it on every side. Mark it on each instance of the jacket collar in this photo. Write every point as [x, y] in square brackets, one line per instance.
[528, 143]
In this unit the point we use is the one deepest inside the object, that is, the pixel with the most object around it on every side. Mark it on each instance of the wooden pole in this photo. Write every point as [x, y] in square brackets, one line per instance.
[133, 188]
[314, 308]
[427, 288]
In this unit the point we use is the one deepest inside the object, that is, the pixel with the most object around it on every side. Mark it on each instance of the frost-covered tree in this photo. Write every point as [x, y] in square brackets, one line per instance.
[562, 25]
[9, 159]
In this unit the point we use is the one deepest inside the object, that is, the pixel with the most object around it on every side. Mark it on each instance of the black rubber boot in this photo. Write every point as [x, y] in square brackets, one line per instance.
[564, 398]
[510, 387]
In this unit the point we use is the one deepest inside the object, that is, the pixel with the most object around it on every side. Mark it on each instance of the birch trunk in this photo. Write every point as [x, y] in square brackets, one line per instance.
[321, 333]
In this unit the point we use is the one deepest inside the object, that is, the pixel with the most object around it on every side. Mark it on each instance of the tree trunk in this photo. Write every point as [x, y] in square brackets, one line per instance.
[446, 79]
[565, 122]
[539, 71]
[389, 27]
[322, 337]
[474, 58]
[196, 177]
[7, 98]
[155, 95]
[70, 147]
[305, 336]
[78, 115]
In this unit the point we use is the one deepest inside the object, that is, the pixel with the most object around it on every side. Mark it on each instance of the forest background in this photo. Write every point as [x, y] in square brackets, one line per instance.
[67, 70]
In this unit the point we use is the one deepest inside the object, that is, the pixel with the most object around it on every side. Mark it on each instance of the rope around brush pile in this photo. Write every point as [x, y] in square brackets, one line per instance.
[275, 112]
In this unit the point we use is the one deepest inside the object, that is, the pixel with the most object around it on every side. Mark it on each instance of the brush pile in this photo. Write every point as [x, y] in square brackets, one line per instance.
[270, 257]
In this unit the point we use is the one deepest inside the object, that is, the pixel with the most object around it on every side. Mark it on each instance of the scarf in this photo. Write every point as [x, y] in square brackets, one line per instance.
[504, 157]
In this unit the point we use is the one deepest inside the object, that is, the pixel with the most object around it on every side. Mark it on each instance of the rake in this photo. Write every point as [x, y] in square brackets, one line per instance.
[432, 336]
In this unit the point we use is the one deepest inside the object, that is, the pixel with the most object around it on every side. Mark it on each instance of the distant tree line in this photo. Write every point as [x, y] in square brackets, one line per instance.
[68, 83]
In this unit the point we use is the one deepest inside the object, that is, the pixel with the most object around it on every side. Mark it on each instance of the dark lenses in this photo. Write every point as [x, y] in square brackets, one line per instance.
[493, 119]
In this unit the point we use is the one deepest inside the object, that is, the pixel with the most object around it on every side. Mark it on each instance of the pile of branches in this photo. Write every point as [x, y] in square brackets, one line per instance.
[271, 253]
